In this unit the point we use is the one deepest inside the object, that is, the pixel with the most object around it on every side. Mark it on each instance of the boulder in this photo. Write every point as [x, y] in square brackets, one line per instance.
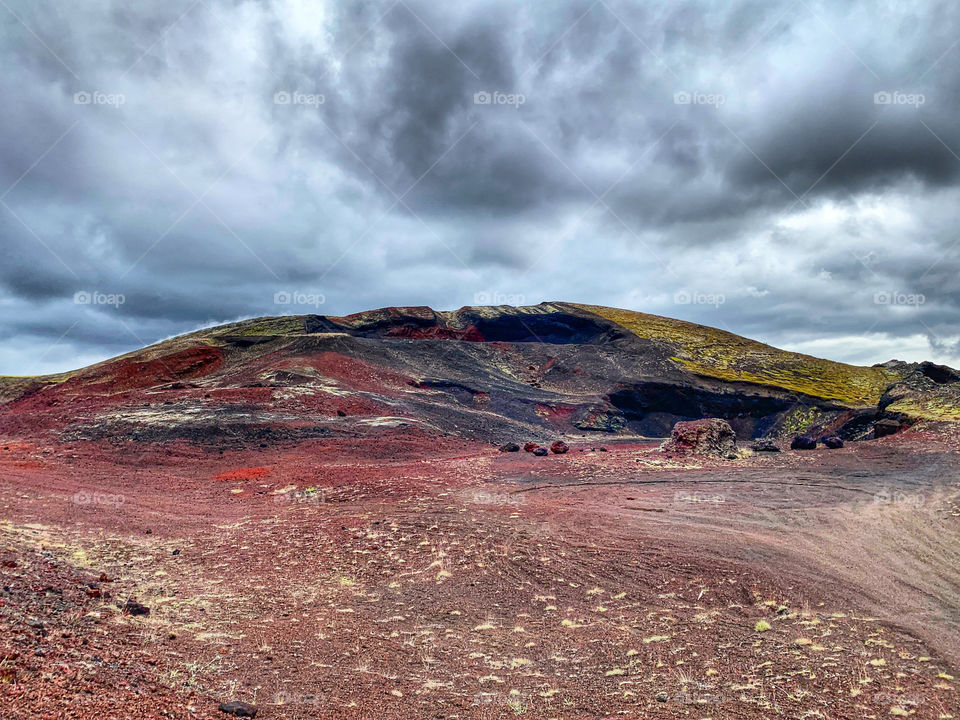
[510, 447]
[559, 447]
[833, 442]
[882, 428]
[240, 709]
[765, 445]
[539, 451]
[712, 436]
[800, 442]
[530, 446]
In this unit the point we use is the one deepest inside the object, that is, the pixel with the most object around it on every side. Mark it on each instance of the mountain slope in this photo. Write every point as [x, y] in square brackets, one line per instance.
[479, 373]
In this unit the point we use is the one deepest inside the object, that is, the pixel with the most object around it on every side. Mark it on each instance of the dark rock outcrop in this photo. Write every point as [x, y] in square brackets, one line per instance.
[882, 428]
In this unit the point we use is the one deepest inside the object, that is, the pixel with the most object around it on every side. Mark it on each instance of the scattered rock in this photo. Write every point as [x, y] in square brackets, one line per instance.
[539, 452]
[559, 447]
[765, 445]
[510, 447]
[530, 446]
[882, 428]
[833, 442]
[712, 436]
[240, 709]
[662, 697]
[800, 442]
[176, 552]
[341, 413]
[132, 607]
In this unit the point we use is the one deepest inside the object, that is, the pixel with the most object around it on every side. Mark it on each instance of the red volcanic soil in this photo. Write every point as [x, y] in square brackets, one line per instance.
[405, 574]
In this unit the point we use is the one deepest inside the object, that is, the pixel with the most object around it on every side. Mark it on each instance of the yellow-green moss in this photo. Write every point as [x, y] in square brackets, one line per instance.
[725, 356]
[931, 408]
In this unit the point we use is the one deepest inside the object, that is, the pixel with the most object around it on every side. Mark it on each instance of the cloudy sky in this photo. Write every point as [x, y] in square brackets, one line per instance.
[787, 170]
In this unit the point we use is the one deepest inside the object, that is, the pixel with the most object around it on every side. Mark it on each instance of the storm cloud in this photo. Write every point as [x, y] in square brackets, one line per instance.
[788, 171]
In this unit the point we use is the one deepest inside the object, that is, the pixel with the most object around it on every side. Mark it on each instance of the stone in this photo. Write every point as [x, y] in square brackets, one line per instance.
[530, 446]
[885, 427]
[132, 607]
[559, 447]
[765, 445]
[240, 709]
[800, 442]
[833, 442]
[712, 436]
[540, 452]
[510, 447]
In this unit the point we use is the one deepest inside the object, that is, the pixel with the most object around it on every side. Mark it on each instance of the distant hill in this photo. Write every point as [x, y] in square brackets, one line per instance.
[484, 373]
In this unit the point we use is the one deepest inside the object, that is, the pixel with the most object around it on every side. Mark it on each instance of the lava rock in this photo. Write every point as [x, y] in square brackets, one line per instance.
[132, 607]
[530, 446]
[800, 442]
[559, 447]
[885, 427]
[510, 447]
[240, 709]
[539, 452]
[833, 442]
[765, 446]
[341, 413]
[712, 436]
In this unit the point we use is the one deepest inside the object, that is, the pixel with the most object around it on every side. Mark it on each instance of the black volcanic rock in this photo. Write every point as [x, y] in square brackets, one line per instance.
[540, 451]
[509, 447]
[765, 445]
[803, 443]
[833, 442]
[240, 709]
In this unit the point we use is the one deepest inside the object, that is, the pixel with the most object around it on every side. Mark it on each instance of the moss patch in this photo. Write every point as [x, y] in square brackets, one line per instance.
[722, 355]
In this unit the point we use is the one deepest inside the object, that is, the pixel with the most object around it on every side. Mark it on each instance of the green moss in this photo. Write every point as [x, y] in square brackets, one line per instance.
[284, 325]
[930, 408]
[722, 355]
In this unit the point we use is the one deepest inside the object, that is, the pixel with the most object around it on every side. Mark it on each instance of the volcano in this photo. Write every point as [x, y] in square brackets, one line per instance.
[310, 516]
[491, 374]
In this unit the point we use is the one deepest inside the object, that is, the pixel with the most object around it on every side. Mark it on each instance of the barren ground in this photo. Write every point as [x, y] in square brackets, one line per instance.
[324, 580]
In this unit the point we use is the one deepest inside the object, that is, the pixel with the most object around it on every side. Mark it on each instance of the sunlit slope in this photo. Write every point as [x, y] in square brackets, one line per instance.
[722, 355]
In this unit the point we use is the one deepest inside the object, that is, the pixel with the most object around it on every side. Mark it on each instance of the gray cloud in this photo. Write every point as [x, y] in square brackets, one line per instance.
[789, 192]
